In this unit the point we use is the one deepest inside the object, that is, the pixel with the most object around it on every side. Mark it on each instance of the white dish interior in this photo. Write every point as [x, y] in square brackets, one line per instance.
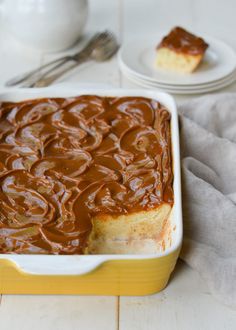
[81, 264]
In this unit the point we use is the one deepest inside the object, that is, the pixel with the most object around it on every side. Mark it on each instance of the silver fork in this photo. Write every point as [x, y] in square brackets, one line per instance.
[30, 78]
[59, 61]
[102, 52]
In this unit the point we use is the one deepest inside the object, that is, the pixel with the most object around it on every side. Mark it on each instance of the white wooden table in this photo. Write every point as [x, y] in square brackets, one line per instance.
[186, 303]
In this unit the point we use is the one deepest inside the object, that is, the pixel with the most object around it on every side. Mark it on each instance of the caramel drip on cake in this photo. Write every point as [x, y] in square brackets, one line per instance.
[65, 161]
[181, 41]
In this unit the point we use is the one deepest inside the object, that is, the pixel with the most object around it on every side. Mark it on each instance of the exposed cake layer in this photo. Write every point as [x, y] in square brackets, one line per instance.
[136, 233]
[64, 163]
[170, 60]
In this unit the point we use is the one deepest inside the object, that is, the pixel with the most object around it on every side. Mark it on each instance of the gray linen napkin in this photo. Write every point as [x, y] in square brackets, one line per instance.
[208, 149]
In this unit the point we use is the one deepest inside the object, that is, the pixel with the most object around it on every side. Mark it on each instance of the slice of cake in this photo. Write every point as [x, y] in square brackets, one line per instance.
[180, 51]
[84, 175]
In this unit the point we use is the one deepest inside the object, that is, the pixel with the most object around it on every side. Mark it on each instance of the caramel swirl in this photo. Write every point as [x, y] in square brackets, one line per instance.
[64, 161]
[181, 41]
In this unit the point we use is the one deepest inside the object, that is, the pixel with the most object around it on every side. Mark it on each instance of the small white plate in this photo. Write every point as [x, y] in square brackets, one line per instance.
[197, 90]
[128, 72]
[221, 82]
[138, 57]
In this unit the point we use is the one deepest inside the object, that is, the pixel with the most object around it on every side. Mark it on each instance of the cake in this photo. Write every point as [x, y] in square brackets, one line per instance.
[180, 51]
[84, 175]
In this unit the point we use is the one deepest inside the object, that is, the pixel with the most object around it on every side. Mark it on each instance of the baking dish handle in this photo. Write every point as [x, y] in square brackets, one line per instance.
[54, 264]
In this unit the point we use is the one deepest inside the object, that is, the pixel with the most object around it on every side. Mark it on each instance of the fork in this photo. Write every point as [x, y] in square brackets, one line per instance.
[101, 40]
[102, 52]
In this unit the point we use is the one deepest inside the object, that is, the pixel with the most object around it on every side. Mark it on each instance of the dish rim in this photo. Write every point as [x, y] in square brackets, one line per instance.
[82, 264]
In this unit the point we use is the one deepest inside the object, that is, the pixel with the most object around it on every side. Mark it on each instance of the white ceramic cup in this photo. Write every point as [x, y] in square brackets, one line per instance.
[48, 25]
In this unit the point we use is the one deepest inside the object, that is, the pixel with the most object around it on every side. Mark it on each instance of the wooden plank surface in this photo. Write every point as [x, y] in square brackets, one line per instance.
[186, 303]
[58, 312]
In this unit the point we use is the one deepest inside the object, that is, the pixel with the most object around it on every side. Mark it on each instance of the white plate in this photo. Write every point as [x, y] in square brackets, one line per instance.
[128, 72]
[139, 57]
[181, 91]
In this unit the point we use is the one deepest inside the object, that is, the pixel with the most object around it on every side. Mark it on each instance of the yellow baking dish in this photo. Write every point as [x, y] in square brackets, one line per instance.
[97, 274]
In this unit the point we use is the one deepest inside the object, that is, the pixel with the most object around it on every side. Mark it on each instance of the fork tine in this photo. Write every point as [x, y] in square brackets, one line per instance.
[99, 39]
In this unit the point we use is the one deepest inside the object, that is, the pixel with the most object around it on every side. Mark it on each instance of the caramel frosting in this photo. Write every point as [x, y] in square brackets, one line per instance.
[65, 161]
[181, 41]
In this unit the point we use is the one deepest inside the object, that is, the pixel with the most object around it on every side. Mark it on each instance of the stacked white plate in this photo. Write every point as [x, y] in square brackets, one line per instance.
[217, 70]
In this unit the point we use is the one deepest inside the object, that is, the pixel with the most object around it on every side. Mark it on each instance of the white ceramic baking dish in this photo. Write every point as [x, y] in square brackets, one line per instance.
[113, 267]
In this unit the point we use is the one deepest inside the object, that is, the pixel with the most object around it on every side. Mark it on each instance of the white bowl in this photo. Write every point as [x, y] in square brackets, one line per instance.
[48, 25]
